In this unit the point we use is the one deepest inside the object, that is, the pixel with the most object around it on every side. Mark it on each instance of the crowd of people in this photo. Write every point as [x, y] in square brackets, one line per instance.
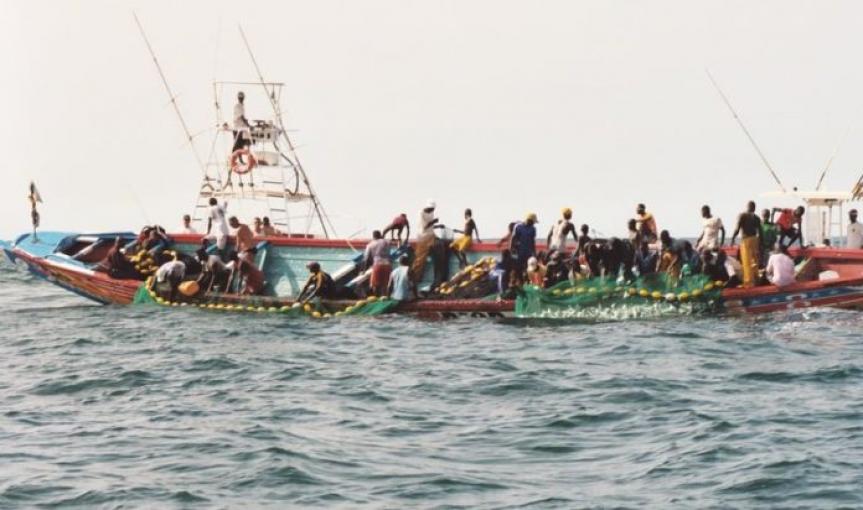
[395, 267]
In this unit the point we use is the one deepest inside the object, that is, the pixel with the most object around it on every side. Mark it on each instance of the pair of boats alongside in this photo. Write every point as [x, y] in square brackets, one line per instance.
[831, 277]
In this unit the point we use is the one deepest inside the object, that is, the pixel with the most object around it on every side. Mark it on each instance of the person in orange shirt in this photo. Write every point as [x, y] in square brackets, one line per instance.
[790, 223]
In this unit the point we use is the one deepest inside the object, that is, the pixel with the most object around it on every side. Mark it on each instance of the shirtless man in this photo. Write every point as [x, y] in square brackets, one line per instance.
[463, 243]
[750, 225]
[244, 235]
[556, 240]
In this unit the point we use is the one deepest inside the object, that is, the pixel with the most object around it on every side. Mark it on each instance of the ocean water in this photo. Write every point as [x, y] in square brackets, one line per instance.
[131, 407]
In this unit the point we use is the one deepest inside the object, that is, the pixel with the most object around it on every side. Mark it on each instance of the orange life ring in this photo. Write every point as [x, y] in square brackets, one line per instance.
[242, 168]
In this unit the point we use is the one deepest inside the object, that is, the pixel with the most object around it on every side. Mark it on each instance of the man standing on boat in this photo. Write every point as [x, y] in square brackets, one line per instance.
[523, 244]
[556, 239]
[241, 124]
[710, 235]
[34, 197]
[750, 225]
[854, 236]
[790, 223]
[646, 224]
[424, 243]
[395, 228]
[219, 222]
[377, 257]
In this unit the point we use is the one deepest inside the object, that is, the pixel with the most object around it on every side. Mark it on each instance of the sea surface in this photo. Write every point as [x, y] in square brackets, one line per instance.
[143, 407]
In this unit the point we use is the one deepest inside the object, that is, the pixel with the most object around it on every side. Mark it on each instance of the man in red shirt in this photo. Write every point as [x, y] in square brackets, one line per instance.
[396, 227]
[790, 224]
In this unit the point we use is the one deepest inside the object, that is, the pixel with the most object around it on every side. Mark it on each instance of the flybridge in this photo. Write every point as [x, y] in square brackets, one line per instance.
[264, 175]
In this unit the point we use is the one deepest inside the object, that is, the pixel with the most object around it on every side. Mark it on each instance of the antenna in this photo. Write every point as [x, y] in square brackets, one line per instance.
[830, 161]
[746, 131]
[319, 209]
[171, 95]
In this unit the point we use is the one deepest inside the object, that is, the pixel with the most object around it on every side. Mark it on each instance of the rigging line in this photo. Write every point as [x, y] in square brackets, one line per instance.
[171, 95]
[746, 131]
[830, 161]
[319, 208]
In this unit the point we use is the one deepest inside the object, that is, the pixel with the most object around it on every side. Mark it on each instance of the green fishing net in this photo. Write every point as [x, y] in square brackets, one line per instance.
[604, 299]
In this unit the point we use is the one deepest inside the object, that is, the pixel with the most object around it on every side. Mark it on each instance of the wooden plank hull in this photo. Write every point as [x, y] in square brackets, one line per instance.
[846, 291]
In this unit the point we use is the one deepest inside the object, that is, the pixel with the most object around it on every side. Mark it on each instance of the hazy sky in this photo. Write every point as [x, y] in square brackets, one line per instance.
[505, 107]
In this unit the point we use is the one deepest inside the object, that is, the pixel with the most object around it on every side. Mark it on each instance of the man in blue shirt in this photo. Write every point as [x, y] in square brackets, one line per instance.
[523, 245]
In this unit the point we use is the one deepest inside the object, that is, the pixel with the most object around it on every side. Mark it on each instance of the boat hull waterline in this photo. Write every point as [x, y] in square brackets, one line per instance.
[843, 290]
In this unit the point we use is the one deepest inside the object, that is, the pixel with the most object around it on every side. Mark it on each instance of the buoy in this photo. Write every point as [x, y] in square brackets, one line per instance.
[296, 305]
[272, 309]
[260, 309]
[708, 287]
[683, 296]
[696, 293]
[630, 291]
[316, 314]
[307, 308]
[671, 296]
[372, 299]
[656, 294]
[643, 293]
[580, 290]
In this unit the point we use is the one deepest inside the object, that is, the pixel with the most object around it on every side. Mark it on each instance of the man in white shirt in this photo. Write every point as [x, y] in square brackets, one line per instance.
[187, 225]
[854, 237]
[171, 273]
[241, 124]
[425, 241]
[710, 235]
[218, 222]
[780, 267]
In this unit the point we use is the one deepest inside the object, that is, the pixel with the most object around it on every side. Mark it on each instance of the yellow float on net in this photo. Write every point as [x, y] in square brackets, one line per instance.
[631, 291]
[569, 291]
[656, 294]
[307, 308]
[372, 299]
[719, 283]
[696, 293]
[296, 305]
[708, 287]
[580, 290]
[683, 296]
[643, 293]
[316, 314]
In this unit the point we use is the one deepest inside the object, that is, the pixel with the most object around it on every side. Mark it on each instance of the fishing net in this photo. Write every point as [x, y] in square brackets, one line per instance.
[365, 307]
[601, 299]
[472, 282]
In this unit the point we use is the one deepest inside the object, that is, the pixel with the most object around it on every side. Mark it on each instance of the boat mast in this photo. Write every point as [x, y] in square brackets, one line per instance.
[316, 203]
[746, 131]
[172, 97]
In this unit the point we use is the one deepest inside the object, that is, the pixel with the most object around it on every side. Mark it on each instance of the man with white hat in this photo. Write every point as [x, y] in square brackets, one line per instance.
[425, 241]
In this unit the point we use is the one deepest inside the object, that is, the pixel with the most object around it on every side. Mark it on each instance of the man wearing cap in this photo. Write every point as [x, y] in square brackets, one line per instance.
[241, 124]
[854, 237]
[425, 241]
[523, 244]
[556, 240]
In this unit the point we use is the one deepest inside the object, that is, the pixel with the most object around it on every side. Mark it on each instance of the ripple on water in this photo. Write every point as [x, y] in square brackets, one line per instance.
[198, 409]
